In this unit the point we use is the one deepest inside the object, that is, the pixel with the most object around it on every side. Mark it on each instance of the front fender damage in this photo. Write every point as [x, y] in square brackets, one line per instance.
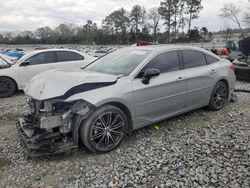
[52, 126]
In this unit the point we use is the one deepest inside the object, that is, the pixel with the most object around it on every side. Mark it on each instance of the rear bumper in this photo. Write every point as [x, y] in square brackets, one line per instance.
[242, 72]
[40, 142]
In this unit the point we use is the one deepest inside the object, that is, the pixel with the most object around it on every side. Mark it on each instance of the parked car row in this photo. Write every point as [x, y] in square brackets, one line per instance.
[118, 93]
[15, 76]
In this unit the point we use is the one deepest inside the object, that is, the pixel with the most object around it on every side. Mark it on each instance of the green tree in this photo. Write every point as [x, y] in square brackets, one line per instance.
[177, 5]
[118, 23]
[204, 32]
[194, 34]
[210, 36]
[182, 19]
[44, 34]
[137, 18]
[193, 8]
[166, 10]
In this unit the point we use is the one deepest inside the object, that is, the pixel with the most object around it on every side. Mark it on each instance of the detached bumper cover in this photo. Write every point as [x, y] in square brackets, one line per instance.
[40, 143]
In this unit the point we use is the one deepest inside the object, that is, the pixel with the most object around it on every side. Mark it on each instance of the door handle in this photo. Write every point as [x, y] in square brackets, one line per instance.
[180, 79]
[212, 72]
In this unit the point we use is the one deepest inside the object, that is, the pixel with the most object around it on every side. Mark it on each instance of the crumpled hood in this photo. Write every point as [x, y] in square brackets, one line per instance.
[61, 83]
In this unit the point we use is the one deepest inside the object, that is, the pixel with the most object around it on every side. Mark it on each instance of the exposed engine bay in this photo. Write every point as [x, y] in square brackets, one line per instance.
[52, 126]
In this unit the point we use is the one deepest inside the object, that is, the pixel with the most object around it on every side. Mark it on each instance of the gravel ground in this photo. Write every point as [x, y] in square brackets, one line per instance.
[198, 149]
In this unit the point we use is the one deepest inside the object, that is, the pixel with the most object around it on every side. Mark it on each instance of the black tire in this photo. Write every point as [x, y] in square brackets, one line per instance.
[104, 129]
[7, 87]
[219, 96]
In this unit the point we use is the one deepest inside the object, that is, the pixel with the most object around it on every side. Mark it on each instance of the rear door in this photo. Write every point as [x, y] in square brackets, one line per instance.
[37, 64]
[68, 60]
[199, 76]
[165, 94]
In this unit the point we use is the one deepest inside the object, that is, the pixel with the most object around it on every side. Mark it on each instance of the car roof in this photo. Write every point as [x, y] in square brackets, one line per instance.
[54, 49]
[31, 53]
[165, 47]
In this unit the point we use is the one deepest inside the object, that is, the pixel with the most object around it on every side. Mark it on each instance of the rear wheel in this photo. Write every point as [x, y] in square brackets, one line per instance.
[219, 96]
[104, 130]
[7, 87]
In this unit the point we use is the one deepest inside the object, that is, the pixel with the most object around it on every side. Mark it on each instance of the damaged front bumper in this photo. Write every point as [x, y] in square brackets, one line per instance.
[42, 142]
[46, 131]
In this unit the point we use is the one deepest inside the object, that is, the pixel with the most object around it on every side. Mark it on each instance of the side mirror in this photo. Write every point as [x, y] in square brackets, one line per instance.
[25, 63]
[149, 73]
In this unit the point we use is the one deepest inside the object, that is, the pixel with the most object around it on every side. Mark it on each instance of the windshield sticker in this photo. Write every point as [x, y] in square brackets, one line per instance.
[138, 52]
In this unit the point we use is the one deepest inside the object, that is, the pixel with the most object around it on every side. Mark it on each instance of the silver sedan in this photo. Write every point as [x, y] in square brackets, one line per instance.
[123, 91]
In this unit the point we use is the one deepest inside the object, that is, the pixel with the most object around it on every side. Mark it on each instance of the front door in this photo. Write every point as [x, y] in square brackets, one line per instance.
[37, 64]
[164, 95]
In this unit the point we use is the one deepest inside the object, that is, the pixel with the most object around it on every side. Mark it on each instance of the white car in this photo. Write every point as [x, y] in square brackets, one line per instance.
[5, 62]
[15, 76]
[98, 53]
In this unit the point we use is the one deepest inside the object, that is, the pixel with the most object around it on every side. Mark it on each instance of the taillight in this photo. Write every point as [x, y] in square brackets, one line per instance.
[232, 67]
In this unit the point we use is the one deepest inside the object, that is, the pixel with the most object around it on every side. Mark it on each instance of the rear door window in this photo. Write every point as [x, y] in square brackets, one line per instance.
[192, 58]
[42, 58]
[165, 62]
[211, 59]
[68, 56]
[79, 57]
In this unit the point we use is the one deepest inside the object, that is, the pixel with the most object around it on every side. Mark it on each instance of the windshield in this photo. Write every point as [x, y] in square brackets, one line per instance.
[120, 62]
[3, 63]
[23, 58]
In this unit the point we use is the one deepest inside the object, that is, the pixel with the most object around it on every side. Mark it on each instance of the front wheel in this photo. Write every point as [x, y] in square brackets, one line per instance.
[219, 96]
[104, 130]
[7, 87]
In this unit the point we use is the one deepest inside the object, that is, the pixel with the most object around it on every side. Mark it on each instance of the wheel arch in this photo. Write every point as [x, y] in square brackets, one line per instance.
[78, 119]
[126, 110]
[227, 83]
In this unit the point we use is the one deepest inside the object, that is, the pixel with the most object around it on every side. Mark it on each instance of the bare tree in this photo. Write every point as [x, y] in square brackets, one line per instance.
[153, 20]
[232, 13]
[247, 17]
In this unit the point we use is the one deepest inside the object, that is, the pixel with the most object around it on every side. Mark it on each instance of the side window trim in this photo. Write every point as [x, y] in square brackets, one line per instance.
[75, 54]
[54, 58]
[179, 59]
[182, 60]
[206, 57]
[181, 63]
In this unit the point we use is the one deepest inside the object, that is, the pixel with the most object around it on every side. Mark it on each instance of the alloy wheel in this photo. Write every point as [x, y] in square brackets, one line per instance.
[107, 131]
[220, 96]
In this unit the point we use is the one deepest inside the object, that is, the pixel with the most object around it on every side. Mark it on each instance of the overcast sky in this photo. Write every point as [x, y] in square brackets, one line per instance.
[17, 15]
